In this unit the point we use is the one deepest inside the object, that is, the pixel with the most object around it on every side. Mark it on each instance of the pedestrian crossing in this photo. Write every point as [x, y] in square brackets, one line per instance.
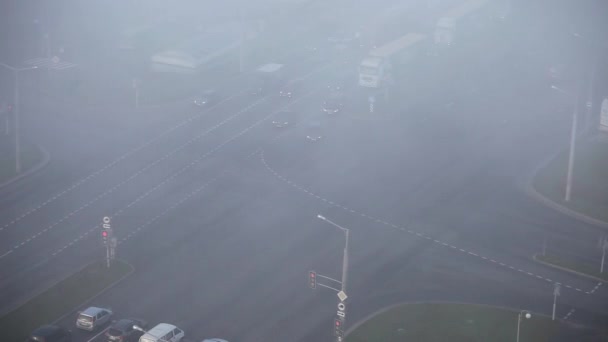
[53, 63]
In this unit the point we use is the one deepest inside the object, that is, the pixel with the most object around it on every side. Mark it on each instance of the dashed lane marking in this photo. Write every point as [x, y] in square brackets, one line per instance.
[115, 162]
[403, 229]
[182, 170]
[257, 151]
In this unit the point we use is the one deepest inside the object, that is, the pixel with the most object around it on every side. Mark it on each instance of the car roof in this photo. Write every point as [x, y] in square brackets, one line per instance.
[92, 311]
[124, 323]
[161, 329]
[46, 330]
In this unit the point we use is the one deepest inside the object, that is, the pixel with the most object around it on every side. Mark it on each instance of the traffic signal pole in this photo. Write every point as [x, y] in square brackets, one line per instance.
[108, 240]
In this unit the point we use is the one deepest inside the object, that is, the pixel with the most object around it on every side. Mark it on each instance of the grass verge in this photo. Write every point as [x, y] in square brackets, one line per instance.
[452, 322]
[61, 298]
[589, 182]
[30, 157]
[571, 265]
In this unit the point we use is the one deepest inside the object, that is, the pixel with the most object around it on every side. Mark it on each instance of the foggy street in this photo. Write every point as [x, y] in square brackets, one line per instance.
[216, 208]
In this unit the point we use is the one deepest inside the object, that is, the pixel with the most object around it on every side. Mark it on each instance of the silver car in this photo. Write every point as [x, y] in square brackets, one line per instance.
[92, 318]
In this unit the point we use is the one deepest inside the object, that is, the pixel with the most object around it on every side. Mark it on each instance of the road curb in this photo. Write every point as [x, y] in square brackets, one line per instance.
[98, 293]
[566, 269]
[530, 190]
[390, 307]
[46, 158]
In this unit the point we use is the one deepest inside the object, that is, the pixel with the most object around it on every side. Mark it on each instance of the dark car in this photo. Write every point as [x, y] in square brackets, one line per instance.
[50, 333]
[206, 98]
[332, 105]
[290, 89]
[122, 331]
[314, 131]
[284, 118]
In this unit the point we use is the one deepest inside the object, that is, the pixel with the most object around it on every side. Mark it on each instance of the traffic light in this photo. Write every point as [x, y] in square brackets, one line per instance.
[338, 329]
[105, 236]
[312, 279]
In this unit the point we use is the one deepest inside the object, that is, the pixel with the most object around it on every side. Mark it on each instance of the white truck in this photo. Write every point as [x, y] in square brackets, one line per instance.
[457, 19]
[383, 62]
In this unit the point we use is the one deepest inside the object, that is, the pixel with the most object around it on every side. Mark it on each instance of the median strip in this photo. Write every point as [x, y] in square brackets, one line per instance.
[571, 266]
[62, 298]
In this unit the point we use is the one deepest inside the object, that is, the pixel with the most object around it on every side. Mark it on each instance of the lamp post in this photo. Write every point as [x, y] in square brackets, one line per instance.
[16, 108]
[522, 313]
[572, 143]
[345, 255]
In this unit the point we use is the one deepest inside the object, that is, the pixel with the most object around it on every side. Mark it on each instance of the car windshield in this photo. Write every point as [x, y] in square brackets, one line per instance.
[331, 104]
[115, 332]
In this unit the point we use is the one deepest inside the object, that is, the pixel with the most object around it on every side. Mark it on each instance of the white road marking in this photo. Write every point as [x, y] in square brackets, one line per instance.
[101, 332]
[196, 161]
[438, 242]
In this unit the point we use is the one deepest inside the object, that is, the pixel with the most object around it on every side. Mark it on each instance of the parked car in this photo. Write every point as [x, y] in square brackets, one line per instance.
[163, 332]
[206, 98]
[284, 118]
[214, 340]
[50, 333]
[93, 318]
[122, 331]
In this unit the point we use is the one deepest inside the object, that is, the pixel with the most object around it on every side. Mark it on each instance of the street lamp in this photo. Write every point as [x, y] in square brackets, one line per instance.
[345, 255]
[16, 107]
[522, 313]
[340, 320]
[572, 143]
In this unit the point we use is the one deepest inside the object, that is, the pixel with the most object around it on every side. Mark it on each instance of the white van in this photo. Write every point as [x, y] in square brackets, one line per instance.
[163, 332]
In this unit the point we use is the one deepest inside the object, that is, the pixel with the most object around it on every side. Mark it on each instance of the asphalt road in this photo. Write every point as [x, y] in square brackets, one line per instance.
[430, 189]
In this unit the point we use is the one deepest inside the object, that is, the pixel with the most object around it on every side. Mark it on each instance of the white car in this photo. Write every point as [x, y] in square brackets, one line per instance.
[93, 318]
[162, 332]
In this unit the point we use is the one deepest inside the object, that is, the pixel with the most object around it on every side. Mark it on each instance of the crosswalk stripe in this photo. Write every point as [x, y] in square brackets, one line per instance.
[48, 63]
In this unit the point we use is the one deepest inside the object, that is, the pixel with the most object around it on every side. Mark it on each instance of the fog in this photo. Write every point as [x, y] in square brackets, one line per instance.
[396, 149]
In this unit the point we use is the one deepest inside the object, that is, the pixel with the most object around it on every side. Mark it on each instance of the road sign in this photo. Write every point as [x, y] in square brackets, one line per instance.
[556, 290]
[342, 296]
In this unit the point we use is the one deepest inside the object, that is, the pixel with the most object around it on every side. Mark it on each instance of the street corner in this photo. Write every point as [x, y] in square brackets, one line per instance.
[575, 185]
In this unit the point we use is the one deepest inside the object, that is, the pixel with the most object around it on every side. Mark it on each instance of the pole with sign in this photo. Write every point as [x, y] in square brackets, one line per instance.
[556, 293]
[108, 239]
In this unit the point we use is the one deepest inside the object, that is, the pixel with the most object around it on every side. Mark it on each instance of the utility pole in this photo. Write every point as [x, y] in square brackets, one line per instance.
[16, 109]
[603, 244]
